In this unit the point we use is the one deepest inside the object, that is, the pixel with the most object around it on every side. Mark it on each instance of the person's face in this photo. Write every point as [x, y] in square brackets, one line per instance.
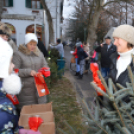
[32, 45]
[121, 45]
[4, 37]
[108, 41]
[11, 67]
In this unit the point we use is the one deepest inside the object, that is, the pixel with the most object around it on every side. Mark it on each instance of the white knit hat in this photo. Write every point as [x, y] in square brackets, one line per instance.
[125, 32]
[6, 54]
[29, 37]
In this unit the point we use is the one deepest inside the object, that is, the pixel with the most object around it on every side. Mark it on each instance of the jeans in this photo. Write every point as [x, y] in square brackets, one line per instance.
[77, 65]
[105, 71]
[82, 64]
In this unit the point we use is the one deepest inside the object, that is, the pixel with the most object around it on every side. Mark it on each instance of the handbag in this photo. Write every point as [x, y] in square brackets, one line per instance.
[73, 60]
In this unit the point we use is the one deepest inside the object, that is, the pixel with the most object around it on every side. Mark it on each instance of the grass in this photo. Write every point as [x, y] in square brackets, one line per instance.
[65, 106]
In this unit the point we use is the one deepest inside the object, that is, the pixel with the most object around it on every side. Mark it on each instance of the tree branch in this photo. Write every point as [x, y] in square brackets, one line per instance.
[108, 12]
[107, 3]
[50, 21]
[116, 1]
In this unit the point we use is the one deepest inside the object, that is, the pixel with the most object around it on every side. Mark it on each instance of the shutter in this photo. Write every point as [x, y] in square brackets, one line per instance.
[41, 7]
[28, 3]
[10, 3]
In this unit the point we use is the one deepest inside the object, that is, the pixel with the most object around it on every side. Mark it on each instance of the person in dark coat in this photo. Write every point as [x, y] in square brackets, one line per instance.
[106, 50]
[124, 41]
[42, 48]
[9, 84]
[82, 55]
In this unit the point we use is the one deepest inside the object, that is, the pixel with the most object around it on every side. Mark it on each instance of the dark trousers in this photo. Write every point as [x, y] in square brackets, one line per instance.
[86, 65]
[105, 71]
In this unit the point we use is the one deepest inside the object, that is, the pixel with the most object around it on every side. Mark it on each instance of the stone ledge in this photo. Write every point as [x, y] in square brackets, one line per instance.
[17, 16]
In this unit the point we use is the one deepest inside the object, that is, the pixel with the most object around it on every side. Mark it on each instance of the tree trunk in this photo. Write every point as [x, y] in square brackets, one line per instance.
[93, 26]
[1, 5]
[50, 21]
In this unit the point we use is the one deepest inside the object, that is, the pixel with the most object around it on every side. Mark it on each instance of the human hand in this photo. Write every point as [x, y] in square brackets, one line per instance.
[101, 45]
[26, 131]
[33, 73]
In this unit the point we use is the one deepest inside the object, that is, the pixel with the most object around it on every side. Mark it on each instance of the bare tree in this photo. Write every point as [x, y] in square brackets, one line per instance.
[96, 7]
[50, 21]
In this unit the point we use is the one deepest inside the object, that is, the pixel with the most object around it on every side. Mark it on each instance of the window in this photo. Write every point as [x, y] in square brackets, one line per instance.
[8, 3]
[35, 4]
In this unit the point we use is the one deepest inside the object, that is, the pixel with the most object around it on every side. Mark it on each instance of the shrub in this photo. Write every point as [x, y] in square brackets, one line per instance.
[52, 63]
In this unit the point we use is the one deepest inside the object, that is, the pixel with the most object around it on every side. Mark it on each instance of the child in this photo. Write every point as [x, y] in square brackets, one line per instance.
[82, 55]
[11, 84]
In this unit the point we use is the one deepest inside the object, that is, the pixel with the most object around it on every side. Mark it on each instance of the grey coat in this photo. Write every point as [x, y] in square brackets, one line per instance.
[12, 44]
[60, 49]
[26, 61]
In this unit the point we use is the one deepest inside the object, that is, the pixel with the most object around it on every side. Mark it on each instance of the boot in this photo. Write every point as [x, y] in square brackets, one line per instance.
[77, 74]
[80, 76]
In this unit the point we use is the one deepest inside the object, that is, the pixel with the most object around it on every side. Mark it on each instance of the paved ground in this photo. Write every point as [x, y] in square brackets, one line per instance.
[83, 87]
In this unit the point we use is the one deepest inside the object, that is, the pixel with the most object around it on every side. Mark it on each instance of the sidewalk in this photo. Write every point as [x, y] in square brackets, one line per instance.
[83, 87]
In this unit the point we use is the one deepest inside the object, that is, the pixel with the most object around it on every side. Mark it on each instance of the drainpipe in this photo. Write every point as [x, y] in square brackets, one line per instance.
[35, 24]
[56, 18]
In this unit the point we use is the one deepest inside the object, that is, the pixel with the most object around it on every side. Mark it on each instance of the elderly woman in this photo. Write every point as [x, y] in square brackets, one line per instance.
[28, 59]
[124, 41]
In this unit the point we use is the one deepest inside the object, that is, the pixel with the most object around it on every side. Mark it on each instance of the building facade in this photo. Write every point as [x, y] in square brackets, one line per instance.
[24, 16]
[56, 9]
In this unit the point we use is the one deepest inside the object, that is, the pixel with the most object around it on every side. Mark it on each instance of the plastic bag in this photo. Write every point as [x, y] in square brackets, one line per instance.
[41, 85]
[45, 71]
[34, 123]
[94, 68]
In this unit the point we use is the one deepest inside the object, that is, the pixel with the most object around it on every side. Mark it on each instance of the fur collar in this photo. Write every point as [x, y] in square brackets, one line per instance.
[24, 50]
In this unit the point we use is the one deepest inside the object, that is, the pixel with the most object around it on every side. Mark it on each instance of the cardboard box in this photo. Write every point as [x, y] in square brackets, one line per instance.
[42, 110]
[36, 108]
[46, 128]
[47, 117]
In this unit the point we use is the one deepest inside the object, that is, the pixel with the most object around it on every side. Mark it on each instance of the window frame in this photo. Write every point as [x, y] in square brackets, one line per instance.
[10, 3]
[36, 5]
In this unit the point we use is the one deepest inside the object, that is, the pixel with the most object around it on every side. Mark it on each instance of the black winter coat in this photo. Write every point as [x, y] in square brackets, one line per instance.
[42, 48]
[123, 78]
[81, 54]
[105, 55]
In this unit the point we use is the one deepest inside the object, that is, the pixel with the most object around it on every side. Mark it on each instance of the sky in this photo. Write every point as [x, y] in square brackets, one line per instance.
[68, 8]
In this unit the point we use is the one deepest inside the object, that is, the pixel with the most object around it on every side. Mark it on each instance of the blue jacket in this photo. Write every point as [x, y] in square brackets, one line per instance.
[8, 115]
